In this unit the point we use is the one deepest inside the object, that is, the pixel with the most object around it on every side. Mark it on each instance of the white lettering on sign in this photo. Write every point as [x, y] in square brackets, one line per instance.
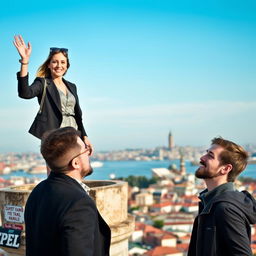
[10, 237]
[14, 213]
[3, 237]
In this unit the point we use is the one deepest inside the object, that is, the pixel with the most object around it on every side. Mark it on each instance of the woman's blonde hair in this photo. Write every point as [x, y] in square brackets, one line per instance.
[43, 70]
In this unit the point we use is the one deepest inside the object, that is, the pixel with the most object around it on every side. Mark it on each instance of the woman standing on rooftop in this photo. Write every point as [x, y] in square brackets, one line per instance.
[59, 106]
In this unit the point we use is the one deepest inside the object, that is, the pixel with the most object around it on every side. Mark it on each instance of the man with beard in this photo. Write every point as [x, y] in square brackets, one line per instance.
[60, 216]
[222, 227]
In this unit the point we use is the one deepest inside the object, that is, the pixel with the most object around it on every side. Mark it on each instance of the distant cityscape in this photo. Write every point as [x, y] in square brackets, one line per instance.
[34, 163]
[164, 211]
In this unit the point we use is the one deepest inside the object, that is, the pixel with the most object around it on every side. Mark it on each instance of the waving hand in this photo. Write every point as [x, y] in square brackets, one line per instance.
[23, 49]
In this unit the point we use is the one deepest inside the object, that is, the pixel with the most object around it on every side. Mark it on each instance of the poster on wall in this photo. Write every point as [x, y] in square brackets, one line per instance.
[14, 213]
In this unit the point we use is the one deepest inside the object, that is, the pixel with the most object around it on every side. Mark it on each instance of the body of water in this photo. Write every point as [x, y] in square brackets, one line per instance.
[137, 168]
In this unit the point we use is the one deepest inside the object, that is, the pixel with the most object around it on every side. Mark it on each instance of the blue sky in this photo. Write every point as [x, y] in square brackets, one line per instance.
[141, 67]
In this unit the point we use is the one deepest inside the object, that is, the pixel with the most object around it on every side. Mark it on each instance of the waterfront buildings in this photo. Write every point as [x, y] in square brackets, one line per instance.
[165, 212]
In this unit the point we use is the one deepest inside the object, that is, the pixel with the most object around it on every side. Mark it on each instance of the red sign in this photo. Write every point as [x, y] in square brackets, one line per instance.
[13, 226]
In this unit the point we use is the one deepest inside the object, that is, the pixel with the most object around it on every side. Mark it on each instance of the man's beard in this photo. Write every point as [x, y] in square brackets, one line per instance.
[203, 173]
[87, 172]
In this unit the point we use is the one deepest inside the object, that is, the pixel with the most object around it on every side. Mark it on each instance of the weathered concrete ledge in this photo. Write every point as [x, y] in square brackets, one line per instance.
[111, 198]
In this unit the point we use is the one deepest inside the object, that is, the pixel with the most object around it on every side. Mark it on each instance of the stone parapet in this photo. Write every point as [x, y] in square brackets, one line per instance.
[111, 198]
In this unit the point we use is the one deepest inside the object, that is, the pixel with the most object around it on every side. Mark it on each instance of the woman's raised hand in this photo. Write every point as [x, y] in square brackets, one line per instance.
[23, 49]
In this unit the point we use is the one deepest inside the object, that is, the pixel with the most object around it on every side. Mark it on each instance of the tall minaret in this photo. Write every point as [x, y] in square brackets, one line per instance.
[170, 141]
[182, 164]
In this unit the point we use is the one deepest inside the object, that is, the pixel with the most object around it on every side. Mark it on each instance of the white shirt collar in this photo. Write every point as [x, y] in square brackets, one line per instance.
[84, 186]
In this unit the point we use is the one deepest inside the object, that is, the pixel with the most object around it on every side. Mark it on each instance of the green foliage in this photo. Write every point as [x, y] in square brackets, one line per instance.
[139, 181]
[158, 223]
[134, 209]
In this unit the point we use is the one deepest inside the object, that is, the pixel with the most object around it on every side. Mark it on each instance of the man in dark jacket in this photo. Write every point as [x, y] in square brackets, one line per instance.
[222, 227]
[61, 219]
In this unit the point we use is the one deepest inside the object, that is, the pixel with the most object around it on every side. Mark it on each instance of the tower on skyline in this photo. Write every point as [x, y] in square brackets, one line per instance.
[170, 141]
[182, 164]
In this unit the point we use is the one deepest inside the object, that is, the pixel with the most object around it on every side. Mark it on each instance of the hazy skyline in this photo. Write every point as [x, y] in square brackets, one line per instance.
[141, 68]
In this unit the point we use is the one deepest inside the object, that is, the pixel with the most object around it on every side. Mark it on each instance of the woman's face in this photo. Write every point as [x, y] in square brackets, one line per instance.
[58, 65]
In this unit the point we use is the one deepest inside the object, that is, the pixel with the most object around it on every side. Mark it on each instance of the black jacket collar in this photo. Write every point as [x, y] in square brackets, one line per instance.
[53, 91]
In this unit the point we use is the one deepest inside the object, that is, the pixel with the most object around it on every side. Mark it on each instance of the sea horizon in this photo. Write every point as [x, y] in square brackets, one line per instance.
[127, 168]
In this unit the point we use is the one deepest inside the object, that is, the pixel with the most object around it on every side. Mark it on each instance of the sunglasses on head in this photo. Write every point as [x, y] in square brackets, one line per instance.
[56, 49]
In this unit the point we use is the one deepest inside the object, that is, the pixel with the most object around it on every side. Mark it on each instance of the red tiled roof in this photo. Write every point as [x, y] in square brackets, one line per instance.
[162, 250]
[147, 228]
[2, 180]
[150, 230]
[139, 226]
[189, 204]
[253, 237]
[162, 204]
[185, 237]
[168, 236]
[131, 202]
[253, 246]
[179, 223]
[182, 247]
[191, 198]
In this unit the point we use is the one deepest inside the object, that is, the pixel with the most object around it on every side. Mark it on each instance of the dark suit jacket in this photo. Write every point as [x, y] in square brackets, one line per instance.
[51, 116]
[61, 219]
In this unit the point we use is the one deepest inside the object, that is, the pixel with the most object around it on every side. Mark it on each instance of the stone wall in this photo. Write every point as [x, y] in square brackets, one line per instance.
[111, 198]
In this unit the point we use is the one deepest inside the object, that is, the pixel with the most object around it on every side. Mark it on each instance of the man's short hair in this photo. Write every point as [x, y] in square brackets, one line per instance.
[56, 144]
[232, 154]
